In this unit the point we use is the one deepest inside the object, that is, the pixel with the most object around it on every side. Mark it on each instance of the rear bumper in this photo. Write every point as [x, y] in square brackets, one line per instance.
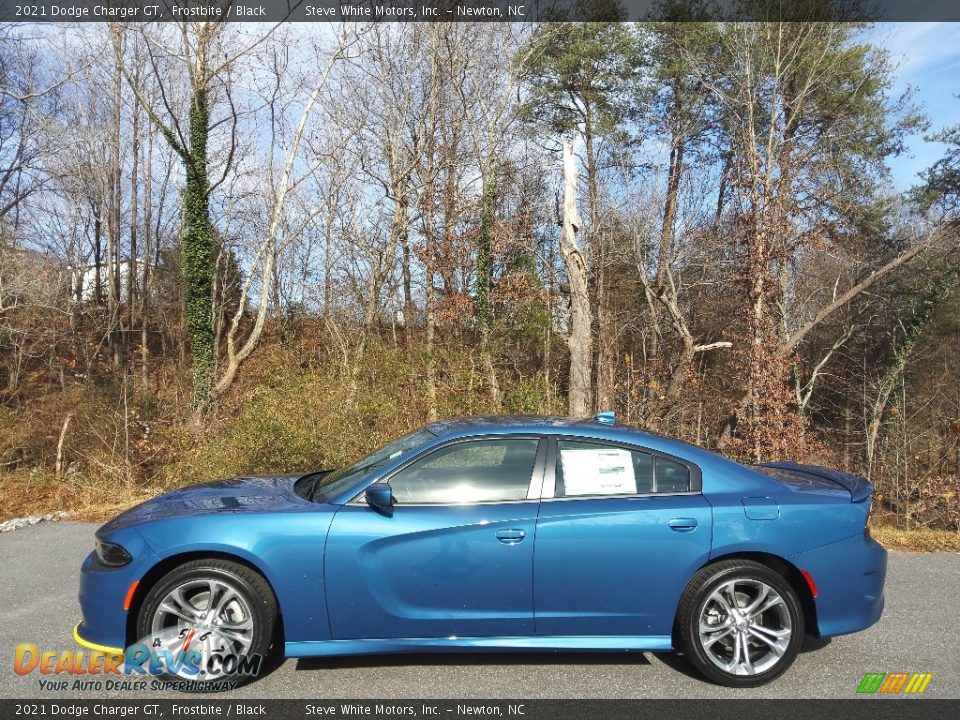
[849, 575]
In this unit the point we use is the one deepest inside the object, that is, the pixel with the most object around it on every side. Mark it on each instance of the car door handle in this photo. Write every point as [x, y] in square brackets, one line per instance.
[511, 537]
[683, 524]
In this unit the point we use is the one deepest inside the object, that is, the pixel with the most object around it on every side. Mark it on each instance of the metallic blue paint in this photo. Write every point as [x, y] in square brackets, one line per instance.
[430, 571]
[587, 573]
[849, 576]
[600, 563]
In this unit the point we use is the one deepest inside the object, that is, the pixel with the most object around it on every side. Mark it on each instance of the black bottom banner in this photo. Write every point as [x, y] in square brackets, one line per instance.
[854, 709]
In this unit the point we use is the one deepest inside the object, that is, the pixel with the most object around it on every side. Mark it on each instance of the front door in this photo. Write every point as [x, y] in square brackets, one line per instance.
[618, 542]
[455, 557]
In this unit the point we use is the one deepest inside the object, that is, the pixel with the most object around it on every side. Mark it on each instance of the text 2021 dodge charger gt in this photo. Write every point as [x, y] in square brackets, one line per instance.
[502, 534]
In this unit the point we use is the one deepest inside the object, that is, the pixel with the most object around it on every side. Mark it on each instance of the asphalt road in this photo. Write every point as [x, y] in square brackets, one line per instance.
[919, 632]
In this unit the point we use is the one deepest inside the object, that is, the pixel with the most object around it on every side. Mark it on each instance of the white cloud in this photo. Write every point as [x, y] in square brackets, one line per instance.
[920, 48]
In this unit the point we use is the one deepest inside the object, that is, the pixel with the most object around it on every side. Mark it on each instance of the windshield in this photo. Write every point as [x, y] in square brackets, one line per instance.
[323, 485]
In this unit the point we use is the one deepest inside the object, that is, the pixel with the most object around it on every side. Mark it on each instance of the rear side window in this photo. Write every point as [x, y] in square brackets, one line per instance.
[599, 469]
[671, 477]
[469, 472]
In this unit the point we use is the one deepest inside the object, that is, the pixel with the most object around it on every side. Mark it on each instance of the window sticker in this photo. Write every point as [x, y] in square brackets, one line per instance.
[596, 471]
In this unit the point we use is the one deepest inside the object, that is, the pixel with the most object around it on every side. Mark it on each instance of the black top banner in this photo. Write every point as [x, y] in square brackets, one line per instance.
[69, 11]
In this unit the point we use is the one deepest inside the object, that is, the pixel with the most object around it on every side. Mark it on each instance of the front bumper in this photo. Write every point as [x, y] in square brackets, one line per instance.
[850, 575]
[103, 592]
[80, 640]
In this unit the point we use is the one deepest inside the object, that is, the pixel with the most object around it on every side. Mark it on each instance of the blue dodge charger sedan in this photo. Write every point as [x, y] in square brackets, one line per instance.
[496, 533]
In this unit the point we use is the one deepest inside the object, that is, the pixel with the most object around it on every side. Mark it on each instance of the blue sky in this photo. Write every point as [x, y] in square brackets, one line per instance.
[928, 59]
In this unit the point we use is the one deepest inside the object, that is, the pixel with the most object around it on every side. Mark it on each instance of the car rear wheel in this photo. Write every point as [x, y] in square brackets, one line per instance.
[740, 623]
[213, 619]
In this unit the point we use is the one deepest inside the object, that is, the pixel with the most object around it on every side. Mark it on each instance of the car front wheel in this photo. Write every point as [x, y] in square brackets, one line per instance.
[212, 619]
[740, 623]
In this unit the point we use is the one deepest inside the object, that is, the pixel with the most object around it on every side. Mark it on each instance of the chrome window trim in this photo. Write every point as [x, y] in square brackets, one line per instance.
[638, 496]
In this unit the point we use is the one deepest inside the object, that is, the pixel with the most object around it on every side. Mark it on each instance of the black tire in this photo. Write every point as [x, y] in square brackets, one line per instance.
[698, 598]
[256, 600]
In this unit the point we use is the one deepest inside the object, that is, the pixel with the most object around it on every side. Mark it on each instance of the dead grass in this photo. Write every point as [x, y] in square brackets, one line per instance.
[32, 493]
[893, 538]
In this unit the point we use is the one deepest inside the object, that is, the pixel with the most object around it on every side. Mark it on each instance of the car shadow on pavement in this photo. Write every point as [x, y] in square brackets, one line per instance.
[472, 658]
[812, 644]
[676, 660]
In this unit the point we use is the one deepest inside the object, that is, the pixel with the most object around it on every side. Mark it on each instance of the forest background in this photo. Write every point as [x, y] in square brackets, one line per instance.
[232, 249]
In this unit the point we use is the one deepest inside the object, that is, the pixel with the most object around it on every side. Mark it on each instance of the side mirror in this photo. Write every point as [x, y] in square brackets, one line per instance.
[379, 496]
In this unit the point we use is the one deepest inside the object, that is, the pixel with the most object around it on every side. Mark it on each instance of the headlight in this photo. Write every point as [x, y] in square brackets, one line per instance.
[112, 555]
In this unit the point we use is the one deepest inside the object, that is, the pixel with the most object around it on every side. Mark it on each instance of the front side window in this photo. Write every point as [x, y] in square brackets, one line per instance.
[496, 470]
[589, 468]
[320, 486]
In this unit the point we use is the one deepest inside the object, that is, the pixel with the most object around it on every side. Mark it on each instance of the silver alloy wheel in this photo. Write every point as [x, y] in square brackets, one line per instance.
[745, 627]
[215, 611]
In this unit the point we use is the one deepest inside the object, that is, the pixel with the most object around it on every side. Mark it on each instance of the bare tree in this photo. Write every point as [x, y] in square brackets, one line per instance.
[201, 51]
[281, 230]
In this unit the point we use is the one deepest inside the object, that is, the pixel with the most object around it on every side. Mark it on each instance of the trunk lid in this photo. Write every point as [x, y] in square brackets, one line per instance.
[817, 479]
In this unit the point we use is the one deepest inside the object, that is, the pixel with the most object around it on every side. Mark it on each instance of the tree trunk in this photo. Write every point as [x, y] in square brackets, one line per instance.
[430, 379]
[198, 248]
[408, 310]
[327, 266]
[484, 243]
[134, 214]
[116, 200]
[484, 307]
[674, 173]
[669, 211]
[95, 207]
[605, 349]
[450, 217]
[147, 252]
[580, 339]
[59, 466]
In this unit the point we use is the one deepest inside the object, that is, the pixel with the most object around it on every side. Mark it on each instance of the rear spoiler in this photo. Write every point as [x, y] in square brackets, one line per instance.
[860, 488]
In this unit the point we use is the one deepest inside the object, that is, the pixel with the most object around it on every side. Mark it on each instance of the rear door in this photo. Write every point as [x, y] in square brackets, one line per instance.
[455, 557]
[620, 532]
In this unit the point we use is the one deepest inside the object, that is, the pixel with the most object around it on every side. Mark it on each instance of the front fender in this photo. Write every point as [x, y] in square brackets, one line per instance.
[287, 549]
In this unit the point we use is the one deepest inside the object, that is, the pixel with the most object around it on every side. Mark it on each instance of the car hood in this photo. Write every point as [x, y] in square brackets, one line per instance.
[273, 493]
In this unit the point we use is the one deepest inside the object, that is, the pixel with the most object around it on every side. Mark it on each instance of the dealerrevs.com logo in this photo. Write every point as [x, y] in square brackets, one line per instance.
[897, 683]
[182, 658]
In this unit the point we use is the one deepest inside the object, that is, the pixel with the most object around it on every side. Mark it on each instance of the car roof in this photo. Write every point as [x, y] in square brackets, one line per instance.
[547, 424]
[518, 423]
